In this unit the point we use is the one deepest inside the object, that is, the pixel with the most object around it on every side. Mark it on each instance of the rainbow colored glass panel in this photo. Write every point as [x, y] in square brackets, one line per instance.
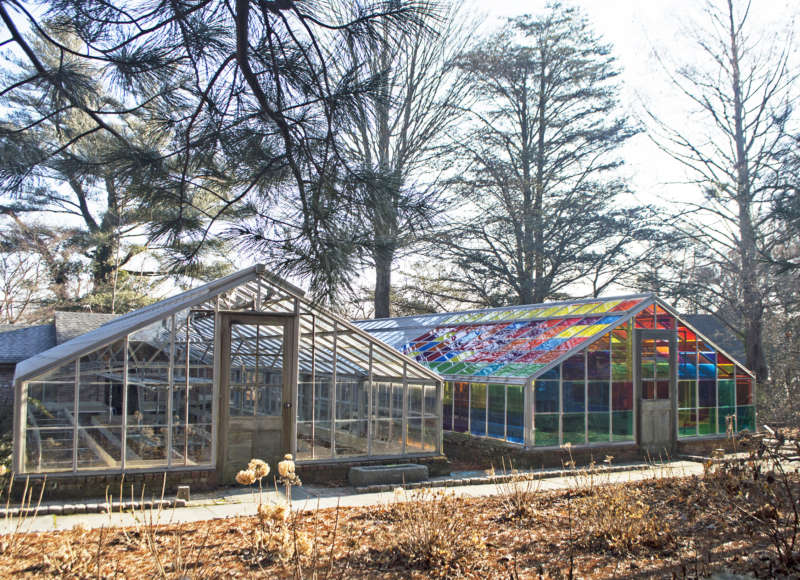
[514, 342]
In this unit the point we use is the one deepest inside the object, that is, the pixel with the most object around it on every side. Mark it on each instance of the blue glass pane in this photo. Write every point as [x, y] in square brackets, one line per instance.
[574, 397]
[546, 396]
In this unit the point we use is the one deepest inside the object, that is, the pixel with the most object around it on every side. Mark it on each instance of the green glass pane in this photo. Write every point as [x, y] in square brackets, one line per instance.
[648, 369]
[707, 420]
[545, 429]
[662, 369]
[447, 395]
[622, 426]
[687, 394]
[746, 418]
[687, 423]
[599, 427]
[724, 413]
[470, 369]
[574, 428]
[515, 413]
[727, 393]
[456, 369]
[620, 371]
[497, 411]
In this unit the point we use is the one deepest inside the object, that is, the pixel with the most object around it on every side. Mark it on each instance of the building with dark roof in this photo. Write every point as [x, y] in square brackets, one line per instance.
[21, 342]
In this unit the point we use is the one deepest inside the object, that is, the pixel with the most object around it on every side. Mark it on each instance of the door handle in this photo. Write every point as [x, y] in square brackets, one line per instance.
[287, 405]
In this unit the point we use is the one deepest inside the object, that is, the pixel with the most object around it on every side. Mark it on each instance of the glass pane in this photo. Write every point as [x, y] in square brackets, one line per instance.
[574, 396]
[447, 407]
[573, 368]
[598, 365]
[726, 391]
[687, 391]
[726, 415]
[546, 429]
[708, 393]
[746, 418]
[48, 450]
[744, 392]
[100, 389]
[51, 404]
[599, 427]
[598, 397]
[198, 444]
[256, 377]
[477, 406]
[546, 396]
[414, 435]
[622, 396]
[497, 411]
[351, 437]
[515, 414]
[707, 420]
[687, 423]
[574, 428]
[662, 390]
[622, 426]
[648, 389]
[461, 407]
[146, 446]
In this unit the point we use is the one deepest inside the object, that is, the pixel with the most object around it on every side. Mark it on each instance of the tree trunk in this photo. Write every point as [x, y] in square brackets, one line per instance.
[384, 257]
[752, 299]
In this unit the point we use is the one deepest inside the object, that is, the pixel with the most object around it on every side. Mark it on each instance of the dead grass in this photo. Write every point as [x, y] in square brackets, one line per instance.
[666, 528]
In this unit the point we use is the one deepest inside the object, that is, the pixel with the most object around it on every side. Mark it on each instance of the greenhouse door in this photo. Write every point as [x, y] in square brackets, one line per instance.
[257, 365]
[656, 369]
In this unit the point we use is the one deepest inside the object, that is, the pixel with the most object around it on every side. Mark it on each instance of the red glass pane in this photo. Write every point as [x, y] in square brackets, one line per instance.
[744, 391]
[622, 396]
[648, 390]
[645, 319]
[662, 390]
[626, 305]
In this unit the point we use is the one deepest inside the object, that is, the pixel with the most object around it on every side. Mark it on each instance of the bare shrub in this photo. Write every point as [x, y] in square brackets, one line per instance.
[16, 520]
[762, 491]
[620, 519]
[517, 492]
[428, 531]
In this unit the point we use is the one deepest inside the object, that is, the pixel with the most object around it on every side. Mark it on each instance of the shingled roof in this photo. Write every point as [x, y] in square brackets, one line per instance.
[18, 343]
[72, 324]
[21, 343]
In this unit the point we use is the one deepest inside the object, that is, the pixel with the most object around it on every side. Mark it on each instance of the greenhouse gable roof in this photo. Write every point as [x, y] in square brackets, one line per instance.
[510, 344]
[251, 289]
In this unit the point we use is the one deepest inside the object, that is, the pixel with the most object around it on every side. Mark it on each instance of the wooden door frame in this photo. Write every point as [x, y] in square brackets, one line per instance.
[640, 334]
[289, 376]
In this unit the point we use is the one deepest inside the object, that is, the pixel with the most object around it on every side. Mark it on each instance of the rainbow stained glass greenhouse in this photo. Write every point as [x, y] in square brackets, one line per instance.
[584, 372]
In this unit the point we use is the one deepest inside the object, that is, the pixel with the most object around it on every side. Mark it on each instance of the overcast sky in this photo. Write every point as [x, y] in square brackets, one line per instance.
[636, 29]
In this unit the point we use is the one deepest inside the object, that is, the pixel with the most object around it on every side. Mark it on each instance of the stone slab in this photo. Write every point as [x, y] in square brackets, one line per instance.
[362, 476]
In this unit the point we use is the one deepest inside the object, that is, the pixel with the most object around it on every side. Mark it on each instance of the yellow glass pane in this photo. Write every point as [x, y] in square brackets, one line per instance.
[570, 332]
[584, 308]
[606, 306]
[591, 330]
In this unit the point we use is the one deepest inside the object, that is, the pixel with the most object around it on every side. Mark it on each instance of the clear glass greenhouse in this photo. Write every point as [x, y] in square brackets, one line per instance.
[586, 372]
[241, 367]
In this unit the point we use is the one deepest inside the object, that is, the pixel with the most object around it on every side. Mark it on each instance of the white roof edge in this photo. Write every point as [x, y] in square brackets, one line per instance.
[510, 307]
[119, 327]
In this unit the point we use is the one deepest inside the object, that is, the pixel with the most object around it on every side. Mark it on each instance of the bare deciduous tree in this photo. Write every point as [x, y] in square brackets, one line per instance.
[742, 95]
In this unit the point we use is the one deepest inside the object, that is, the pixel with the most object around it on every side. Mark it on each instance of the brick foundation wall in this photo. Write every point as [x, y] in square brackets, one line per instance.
[484, 453]
[94, 486]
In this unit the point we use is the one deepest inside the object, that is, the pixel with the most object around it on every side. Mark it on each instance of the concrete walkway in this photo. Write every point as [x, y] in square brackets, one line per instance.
[240, 502]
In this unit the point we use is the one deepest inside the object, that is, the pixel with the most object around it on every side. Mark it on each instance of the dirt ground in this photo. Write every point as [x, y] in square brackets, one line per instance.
[660, 528]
